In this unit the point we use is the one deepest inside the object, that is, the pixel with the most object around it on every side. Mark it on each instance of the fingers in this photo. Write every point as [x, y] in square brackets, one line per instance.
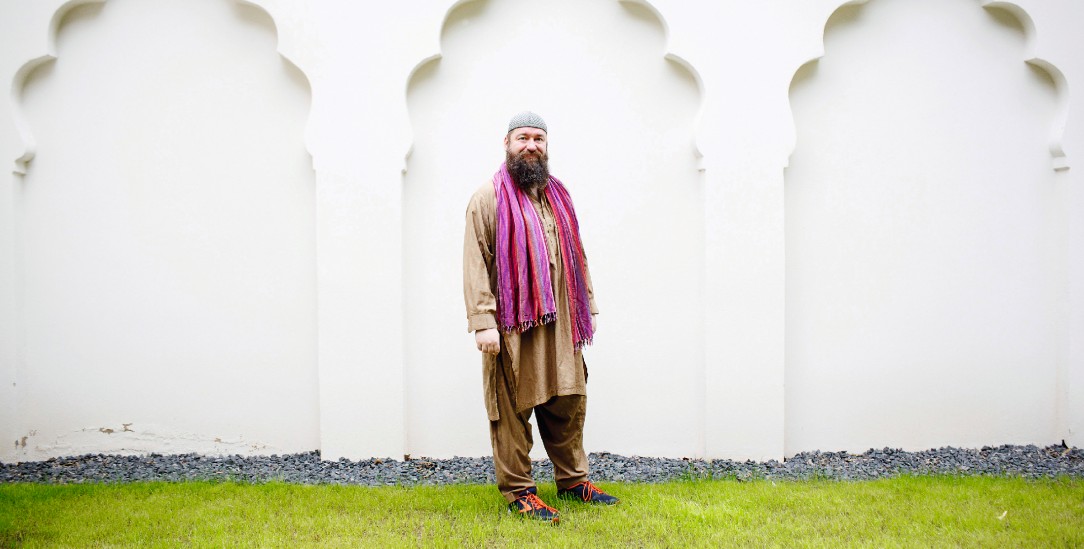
[490, 348]
[488, 341]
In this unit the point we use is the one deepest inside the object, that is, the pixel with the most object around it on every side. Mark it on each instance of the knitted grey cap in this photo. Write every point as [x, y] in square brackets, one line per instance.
[527, 119]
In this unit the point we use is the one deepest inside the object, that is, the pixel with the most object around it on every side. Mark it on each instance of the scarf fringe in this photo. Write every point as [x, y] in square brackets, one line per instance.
[584, 342]
[528, 324]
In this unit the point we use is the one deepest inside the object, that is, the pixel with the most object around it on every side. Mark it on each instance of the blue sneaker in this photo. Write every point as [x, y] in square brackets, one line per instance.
[529, 505]
[588, 493]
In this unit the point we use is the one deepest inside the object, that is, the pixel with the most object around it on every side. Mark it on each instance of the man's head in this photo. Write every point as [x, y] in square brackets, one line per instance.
[525, 151]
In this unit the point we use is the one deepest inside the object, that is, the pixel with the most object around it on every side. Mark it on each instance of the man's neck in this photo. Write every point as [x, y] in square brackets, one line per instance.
[533, 191]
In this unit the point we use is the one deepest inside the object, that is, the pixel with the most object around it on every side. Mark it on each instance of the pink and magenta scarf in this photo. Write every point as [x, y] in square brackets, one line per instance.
[524, 289]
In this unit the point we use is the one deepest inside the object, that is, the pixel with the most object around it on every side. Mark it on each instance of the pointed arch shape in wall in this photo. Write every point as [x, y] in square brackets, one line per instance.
[19, 81]
[1059, 161]
[463, 54]
[669, 56]
[1057, 131]
[683, 63]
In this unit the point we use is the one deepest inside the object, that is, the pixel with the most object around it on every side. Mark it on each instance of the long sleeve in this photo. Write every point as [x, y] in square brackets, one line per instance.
[478, 274]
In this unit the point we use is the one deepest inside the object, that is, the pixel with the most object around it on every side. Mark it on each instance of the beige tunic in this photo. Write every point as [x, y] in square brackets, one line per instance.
[541, 363]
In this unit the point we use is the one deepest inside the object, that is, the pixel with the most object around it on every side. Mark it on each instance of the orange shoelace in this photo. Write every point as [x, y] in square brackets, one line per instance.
[589, 490]
[532, 502]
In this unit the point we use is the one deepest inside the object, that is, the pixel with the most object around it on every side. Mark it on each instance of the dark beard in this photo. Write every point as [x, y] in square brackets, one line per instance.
[528, 174]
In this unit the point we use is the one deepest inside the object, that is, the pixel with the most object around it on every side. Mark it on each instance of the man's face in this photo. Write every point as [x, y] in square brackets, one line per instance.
[526, 143]
[525, 154]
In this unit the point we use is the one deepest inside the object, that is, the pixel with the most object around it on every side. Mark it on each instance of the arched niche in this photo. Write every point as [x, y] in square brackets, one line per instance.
[621, 116]
[921, 233]
[166, 235]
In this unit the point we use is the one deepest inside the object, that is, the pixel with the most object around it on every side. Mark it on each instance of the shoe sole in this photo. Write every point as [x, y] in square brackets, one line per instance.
[579, 499]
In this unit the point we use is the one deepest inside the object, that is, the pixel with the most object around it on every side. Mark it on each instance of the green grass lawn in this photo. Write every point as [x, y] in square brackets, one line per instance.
[907, 511]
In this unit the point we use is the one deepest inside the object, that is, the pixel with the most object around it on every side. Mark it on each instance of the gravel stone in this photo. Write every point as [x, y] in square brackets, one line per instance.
[307, 468]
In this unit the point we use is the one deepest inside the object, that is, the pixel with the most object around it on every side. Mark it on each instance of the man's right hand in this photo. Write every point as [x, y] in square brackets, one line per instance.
[488, 340]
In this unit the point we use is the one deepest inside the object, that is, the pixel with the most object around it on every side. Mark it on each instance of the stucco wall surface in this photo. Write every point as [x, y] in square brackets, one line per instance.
[236, 226]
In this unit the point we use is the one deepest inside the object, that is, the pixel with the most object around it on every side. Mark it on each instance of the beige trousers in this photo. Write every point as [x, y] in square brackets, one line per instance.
[560, 423]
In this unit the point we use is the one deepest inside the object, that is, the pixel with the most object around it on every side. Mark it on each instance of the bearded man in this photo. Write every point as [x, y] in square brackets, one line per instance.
[531, 307]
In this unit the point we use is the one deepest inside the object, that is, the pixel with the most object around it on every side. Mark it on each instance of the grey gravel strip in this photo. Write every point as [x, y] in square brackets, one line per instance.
[307, 468]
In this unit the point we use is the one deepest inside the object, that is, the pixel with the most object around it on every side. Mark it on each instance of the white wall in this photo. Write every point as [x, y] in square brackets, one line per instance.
[620, 119]
[861, 300]
[922, 231]
[166, 237]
